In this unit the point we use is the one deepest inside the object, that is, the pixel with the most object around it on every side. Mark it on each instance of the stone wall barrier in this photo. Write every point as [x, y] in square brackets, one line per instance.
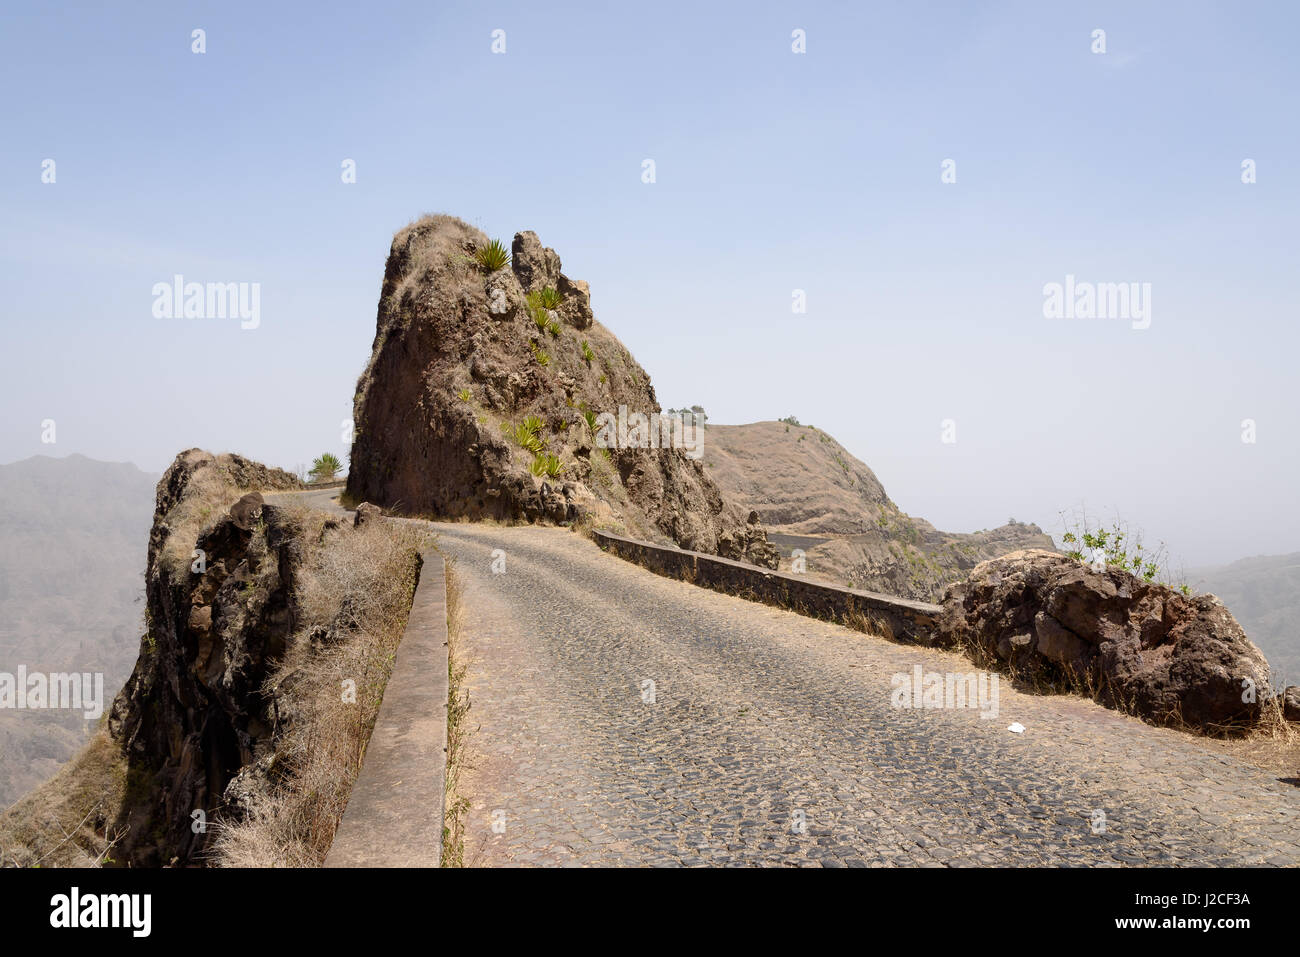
[898, 618]
[394, 816]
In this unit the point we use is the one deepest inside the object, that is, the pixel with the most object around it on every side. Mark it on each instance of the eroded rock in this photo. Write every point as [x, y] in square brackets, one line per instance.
[1172, 658]
[458, 365]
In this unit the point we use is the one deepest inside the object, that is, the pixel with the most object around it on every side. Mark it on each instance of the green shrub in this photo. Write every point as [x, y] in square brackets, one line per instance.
[1118, 547]
[463, 395]
[550, 298]
[587, 354]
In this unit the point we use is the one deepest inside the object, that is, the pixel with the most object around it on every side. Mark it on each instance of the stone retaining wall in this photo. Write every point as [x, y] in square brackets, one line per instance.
[394, 816]
[899, 618]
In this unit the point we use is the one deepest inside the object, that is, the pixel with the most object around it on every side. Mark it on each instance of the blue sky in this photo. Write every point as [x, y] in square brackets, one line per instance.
[774, 172]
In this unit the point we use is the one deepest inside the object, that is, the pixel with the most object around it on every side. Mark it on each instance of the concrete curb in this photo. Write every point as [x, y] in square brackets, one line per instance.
[394, 816]
[903, 618]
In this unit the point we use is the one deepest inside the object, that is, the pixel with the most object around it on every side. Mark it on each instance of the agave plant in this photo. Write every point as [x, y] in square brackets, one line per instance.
[587, 354]
[543, 359]
[550, 298]
[463, 395]
[546, 464]
[553, 326]
[527, 435]
[590, 418]
[493, 256]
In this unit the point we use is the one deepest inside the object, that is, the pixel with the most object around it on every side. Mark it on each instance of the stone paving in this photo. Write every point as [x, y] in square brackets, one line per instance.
[771, 740]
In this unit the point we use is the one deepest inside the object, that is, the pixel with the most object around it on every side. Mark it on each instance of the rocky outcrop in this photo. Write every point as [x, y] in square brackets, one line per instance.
[1137, 645]
[465, 356]
[816, 497]
[749, 544]
[367, 513]
[219, 592]
[1291, 703]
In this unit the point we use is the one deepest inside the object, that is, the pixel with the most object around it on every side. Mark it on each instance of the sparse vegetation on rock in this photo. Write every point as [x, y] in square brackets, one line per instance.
[256, 613]
[1123, 639]
[1117, 546]
[492, 255]
[440, 324]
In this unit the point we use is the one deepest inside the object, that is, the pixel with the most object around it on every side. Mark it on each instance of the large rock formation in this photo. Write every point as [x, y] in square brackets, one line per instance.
[193, 712]
[1137, 645]
[461, 359]
[813, 495]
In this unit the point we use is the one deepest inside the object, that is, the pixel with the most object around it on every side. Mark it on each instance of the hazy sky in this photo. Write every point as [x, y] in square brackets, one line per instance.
[775, 171]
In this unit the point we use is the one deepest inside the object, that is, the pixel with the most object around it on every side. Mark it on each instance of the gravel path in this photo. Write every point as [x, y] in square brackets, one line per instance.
[771, 740]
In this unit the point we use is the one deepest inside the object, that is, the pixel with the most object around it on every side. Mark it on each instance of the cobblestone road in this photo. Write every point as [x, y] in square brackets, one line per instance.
[761, 717]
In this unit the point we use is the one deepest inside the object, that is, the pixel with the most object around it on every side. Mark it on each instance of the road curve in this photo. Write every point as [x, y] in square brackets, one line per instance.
[770, 739]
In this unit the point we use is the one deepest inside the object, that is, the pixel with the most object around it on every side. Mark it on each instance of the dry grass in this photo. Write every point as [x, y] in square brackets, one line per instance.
[355, 592]
[216, 484]
[67, 821]
[458, 730]
[208, 496]
[871, 623]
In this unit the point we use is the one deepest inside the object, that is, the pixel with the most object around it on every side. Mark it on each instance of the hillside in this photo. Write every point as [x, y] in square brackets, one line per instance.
[235, 685]
[484, 395]
[71, 588]
[1264, 595]
[812, 494]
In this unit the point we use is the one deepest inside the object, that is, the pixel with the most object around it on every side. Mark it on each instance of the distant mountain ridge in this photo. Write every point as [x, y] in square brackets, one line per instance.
[1263, 593]
[75, 532]
[812, 494]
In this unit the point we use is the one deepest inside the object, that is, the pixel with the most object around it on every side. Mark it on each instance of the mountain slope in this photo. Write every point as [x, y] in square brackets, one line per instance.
[1264, 595]
[812, 494]
[71, 583]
